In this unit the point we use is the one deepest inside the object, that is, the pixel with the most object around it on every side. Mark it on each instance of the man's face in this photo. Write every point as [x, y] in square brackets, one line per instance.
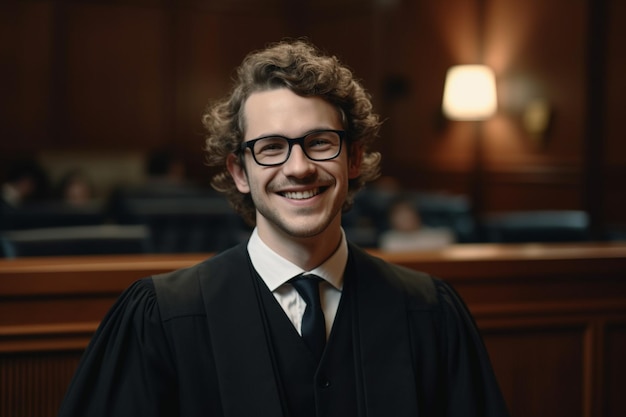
[300, 198]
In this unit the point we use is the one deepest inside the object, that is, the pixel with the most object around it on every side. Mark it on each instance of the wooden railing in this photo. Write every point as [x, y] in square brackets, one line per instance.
[553, 318]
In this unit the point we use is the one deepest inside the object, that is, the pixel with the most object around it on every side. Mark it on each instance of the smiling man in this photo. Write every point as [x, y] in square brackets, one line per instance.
[297, 321]
[298, 190]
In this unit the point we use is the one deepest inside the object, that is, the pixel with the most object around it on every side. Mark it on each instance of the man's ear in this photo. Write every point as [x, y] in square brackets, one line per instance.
[355, 157]
[238, 172]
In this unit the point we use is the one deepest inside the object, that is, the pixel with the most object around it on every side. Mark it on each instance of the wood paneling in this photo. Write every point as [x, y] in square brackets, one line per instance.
[136, 74]
[614, 368]
[614, 145]
[553, 319]
[26, 75]
[33, 385]
[117, 72]
[521, 357]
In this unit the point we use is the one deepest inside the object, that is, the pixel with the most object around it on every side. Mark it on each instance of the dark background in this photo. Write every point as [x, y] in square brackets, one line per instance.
[96, 81]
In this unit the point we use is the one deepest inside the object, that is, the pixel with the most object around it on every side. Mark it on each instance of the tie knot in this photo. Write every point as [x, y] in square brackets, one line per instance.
[308, 288]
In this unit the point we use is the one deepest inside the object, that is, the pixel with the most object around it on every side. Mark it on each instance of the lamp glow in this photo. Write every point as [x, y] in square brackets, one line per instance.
[469, 93]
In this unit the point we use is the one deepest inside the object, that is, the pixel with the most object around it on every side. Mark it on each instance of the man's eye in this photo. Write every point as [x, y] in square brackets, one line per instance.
[271, 146]
[319, 143]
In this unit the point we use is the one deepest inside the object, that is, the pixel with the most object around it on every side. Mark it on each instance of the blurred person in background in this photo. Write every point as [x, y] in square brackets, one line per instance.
[26, 183]
[407, 232]
[75, 188]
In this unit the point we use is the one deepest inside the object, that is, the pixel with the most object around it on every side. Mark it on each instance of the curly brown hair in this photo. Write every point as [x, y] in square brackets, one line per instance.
[305, 70]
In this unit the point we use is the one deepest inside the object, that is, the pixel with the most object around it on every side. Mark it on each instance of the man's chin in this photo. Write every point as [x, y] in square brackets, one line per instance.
[300, 224]
[304, 228]
[303, 232]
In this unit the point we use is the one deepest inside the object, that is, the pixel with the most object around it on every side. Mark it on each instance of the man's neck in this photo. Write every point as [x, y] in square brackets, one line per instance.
[305, 252]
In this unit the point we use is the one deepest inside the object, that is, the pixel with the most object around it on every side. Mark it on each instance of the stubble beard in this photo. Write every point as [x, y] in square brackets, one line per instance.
[298, 228]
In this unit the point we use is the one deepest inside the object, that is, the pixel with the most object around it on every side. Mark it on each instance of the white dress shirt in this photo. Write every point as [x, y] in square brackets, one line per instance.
[276, 271]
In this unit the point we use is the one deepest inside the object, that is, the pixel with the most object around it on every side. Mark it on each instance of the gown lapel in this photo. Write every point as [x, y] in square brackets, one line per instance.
[238, 337]
[382, 345]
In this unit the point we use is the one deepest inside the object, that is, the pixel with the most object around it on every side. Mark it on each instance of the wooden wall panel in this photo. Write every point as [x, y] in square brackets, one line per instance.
[34, 385]
[26, 76]
[206, 49]
[547, 188]
[615, 368]
[533, 59]
[521, 356]
[416, 43]
[615, 154]
[135, 74]
[614, 145]
[118, 76]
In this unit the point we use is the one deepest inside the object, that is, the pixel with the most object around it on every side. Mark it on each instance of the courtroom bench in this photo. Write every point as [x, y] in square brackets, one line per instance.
[553, 318]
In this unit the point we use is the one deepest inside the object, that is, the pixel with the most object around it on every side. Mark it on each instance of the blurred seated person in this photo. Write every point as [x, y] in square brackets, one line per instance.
[373, 202]
[75, 189]
[165, 168]
[407, 233]
[165, 178]
[25, 182]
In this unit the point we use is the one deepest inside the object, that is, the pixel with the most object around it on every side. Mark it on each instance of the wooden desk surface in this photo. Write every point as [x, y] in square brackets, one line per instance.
[455, 254]
[458, 263]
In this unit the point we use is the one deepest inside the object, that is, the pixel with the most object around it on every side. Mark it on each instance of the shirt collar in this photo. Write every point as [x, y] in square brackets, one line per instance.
[276, 270]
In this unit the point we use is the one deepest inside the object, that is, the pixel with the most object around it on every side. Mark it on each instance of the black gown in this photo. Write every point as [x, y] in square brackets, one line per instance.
[193, 343]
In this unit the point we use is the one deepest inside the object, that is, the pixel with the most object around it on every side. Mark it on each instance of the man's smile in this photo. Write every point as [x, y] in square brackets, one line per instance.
[303, 195]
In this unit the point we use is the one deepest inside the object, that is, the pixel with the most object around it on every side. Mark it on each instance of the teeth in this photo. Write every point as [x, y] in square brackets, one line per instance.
[301, 195]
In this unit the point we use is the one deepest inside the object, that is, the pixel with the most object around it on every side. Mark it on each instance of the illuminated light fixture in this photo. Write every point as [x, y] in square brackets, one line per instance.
[469, 93]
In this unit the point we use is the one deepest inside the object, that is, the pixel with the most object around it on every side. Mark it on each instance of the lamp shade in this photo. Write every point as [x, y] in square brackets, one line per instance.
[469, 93]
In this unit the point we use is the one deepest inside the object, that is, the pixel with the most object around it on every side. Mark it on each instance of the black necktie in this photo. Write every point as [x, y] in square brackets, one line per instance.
[313, 323]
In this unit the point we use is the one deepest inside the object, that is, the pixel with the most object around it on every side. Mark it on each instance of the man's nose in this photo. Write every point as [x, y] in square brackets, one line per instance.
[298, 164]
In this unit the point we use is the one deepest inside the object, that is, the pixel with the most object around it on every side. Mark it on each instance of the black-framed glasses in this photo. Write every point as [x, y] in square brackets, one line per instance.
[320, 145]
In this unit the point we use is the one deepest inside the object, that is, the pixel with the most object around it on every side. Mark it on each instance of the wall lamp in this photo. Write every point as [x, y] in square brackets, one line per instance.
[469, 93]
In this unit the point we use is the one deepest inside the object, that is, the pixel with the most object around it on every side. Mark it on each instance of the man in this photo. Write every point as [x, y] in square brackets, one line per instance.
[26, 182]
[234, 335]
